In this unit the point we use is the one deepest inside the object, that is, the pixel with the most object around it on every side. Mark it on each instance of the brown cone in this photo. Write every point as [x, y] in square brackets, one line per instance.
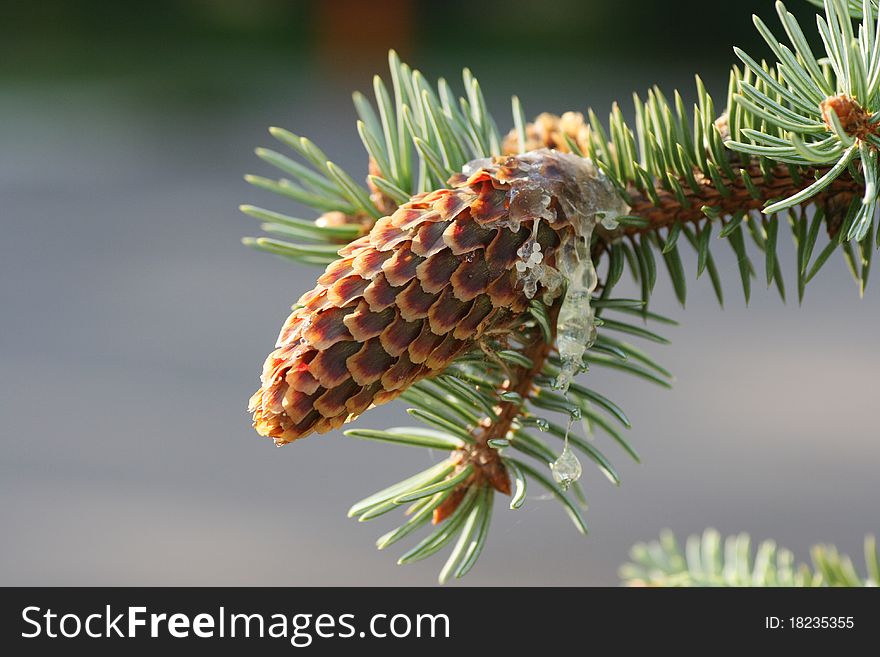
[402, 302]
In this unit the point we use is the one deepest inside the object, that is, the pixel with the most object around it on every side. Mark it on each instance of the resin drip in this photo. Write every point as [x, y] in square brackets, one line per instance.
[576, 326]
[584, 197]
[571, 196]
[530, 268]
[567, 468]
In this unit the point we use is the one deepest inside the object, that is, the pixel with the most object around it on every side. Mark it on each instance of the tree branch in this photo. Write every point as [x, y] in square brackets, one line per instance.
[738, 198]
[488, 466]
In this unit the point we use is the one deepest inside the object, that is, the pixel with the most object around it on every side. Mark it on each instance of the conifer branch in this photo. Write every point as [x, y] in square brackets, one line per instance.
[462, 278]
[712, 560]
[778, 183]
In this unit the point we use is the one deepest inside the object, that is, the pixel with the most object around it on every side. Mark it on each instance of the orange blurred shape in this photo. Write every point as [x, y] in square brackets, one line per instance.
[354, 36]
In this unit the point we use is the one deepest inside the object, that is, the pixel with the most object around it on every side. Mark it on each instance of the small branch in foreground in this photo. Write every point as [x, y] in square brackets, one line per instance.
[488, 466]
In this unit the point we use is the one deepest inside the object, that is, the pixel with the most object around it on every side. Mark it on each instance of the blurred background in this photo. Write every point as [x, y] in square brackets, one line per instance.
[133, 324]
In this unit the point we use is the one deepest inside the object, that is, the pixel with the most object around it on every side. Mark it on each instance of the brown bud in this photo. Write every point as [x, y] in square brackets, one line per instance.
[448, 506]
[379, 199]
[549, 131]
[853, 118]
[336, 219]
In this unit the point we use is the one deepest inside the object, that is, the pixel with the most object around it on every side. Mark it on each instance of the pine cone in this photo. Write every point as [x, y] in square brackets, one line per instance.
[549, 130]
[402, 302]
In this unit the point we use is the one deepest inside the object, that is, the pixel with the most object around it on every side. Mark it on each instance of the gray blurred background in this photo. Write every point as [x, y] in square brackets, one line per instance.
[133, 325]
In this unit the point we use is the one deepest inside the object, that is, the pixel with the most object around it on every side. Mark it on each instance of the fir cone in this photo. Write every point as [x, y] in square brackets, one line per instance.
[549, 130]
[422, 288]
